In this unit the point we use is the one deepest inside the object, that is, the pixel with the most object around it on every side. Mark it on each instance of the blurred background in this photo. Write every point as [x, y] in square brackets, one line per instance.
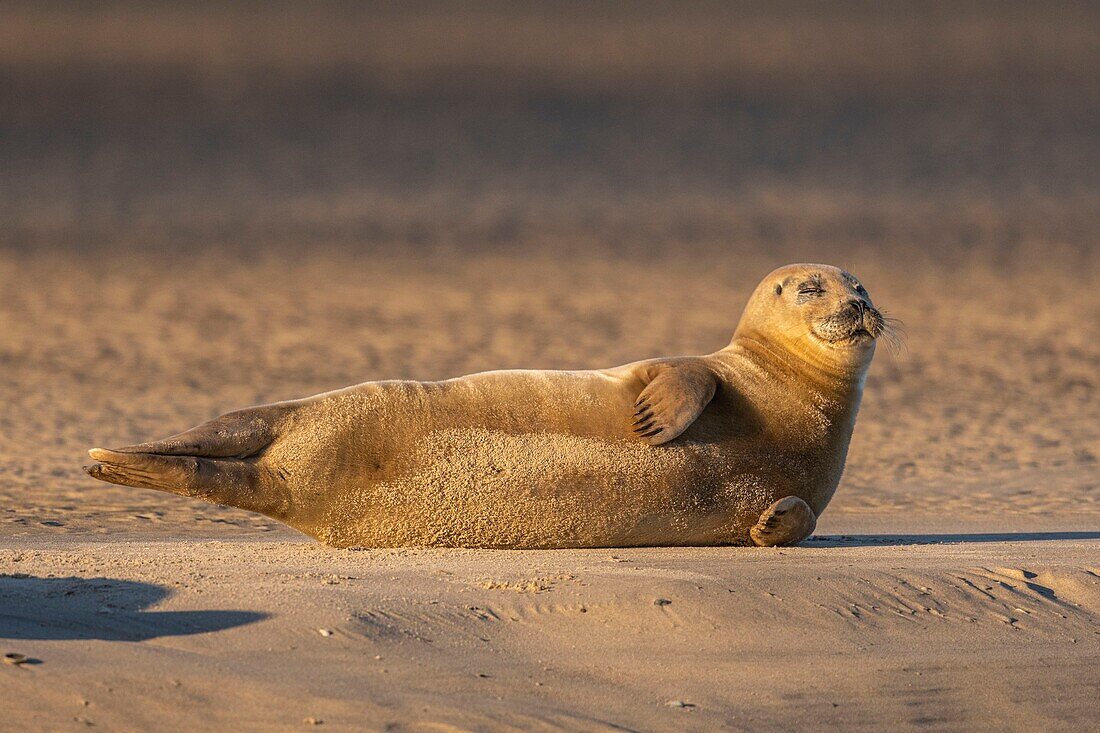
[425, 126]
[206, 205]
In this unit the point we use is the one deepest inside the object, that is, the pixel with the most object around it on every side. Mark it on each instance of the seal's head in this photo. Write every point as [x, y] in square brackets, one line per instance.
[818, 312]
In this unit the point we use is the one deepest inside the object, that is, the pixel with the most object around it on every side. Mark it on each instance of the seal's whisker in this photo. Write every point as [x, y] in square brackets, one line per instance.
[893, 331]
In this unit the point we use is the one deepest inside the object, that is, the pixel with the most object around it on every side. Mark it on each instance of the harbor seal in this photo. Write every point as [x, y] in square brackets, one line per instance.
[743, 446]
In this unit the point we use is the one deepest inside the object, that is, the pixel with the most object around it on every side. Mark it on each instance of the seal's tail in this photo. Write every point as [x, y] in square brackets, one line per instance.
[217, 461]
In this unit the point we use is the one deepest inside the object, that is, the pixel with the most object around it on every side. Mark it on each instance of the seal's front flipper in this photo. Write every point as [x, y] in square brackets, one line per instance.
[786, 522]
[676, 392]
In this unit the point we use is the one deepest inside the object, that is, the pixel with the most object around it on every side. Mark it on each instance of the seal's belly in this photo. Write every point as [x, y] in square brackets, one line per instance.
[486, 488]
[526, 459]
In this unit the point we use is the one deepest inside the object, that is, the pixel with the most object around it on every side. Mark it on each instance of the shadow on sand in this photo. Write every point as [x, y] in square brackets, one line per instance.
[892, 540]
[99, 608]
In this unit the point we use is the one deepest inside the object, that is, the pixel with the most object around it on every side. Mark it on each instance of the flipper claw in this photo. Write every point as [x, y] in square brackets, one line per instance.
[676, 392]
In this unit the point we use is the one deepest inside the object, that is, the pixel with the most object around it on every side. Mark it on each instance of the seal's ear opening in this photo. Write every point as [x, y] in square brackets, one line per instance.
[779, 288]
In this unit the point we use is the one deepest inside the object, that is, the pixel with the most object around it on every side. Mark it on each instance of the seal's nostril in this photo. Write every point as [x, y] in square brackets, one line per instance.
[858, 306]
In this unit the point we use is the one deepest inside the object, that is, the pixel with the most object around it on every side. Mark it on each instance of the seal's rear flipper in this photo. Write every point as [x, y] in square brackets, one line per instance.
[216, 461]
[238, 434]
[230, 481]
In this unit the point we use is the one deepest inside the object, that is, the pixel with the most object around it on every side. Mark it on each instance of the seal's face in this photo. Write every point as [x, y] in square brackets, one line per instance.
[836, 308]
[817, 311]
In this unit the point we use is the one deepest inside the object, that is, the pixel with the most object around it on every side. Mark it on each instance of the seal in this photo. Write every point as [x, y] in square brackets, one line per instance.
[742, 446]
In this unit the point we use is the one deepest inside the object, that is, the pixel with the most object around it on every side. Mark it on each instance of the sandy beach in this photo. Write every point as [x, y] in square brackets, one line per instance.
[953, 583]
[963, 632]
[191, 223]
